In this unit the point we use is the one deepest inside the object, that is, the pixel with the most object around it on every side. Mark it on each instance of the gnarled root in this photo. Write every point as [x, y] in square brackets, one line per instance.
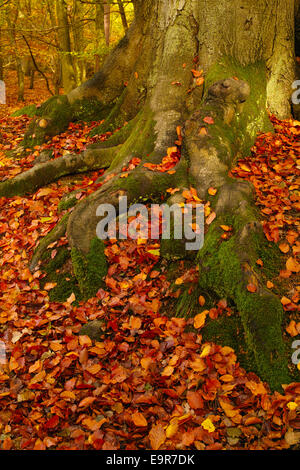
[45, 173]
[228, 267]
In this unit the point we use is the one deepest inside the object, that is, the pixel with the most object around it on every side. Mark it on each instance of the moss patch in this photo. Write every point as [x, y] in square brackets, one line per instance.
[91, 269]
[254, 117]
[261, 313]
[66, 283]
[89, 109]
[29, 110]
[57, 112]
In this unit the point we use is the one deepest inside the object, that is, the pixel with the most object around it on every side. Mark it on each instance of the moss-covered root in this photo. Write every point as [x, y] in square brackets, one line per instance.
[90, 269]
[45, 173]
[229, 269]
[52, 118]
[56, 233]
[55, 115]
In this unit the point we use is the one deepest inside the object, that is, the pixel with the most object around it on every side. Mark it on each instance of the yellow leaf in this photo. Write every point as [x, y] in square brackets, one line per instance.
[292, 405]
[172, 428]
[168, 371]
[208, 425]
[67, 394]
[154, 252]
[205, 351]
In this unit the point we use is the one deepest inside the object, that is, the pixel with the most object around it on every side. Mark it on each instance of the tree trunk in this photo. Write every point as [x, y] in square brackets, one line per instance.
[106, 21]
[68, 75]
[11, 18]
[79, 46]
[123, 15]
[99, 29]
[153, 80]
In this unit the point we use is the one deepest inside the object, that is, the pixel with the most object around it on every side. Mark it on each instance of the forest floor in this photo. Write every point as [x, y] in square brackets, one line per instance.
[152, 382]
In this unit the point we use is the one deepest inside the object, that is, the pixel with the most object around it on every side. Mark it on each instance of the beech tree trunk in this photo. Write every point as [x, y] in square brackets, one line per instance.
[245, 49]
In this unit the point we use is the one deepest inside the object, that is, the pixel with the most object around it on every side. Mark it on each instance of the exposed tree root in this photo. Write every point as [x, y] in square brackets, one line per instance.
[56, 233]
[45, 173]
[227, 267]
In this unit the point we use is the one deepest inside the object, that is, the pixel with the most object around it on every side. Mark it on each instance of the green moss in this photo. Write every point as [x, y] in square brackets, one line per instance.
[66, 283]
[29, 110]
[58, 113]
[254, 117]
[66, 203]
[89, 109]
[270, 254]
[66, 286]
[118, 137]
[261, 314]
[229, 331]
[115, 118]
[91, 269]
[58, 261]
[140, 142]
[188, 302]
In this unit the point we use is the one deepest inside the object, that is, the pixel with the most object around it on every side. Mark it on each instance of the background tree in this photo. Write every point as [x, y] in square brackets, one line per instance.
[245, 51]
[64, 40]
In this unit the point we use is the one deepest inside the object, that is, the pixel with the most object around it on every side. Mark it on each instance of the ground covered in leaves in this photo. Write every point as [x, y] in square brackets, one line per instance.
[150, 381]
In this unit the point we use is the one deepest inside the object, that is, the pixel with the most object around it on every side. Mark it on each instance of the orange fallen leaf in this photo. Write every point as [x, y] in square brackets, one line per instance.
[292, 265]
[208, 120]
[284, 247]
[199, 320]
[251, 288]
[139, 419]
[157, 436]
[212, 191]
[285, 301]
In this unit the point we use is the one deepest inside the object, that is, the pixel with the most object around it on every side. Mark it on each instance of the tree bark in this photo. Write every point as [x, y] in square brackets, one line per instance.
[123, 15]
[11, 18]
[68, 75]
[152, 80]
[106, 21]
[99, 30]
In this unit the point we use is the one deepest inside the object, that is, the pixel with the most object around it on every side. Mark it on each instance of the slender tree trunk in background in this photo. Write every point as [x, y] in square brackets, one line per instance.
[99, 29]
[106, 5]
[245, 49]
[68, 75]
[123, 15]
[56, 68]
[21, 79]
[79, 46]
[11, 20]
